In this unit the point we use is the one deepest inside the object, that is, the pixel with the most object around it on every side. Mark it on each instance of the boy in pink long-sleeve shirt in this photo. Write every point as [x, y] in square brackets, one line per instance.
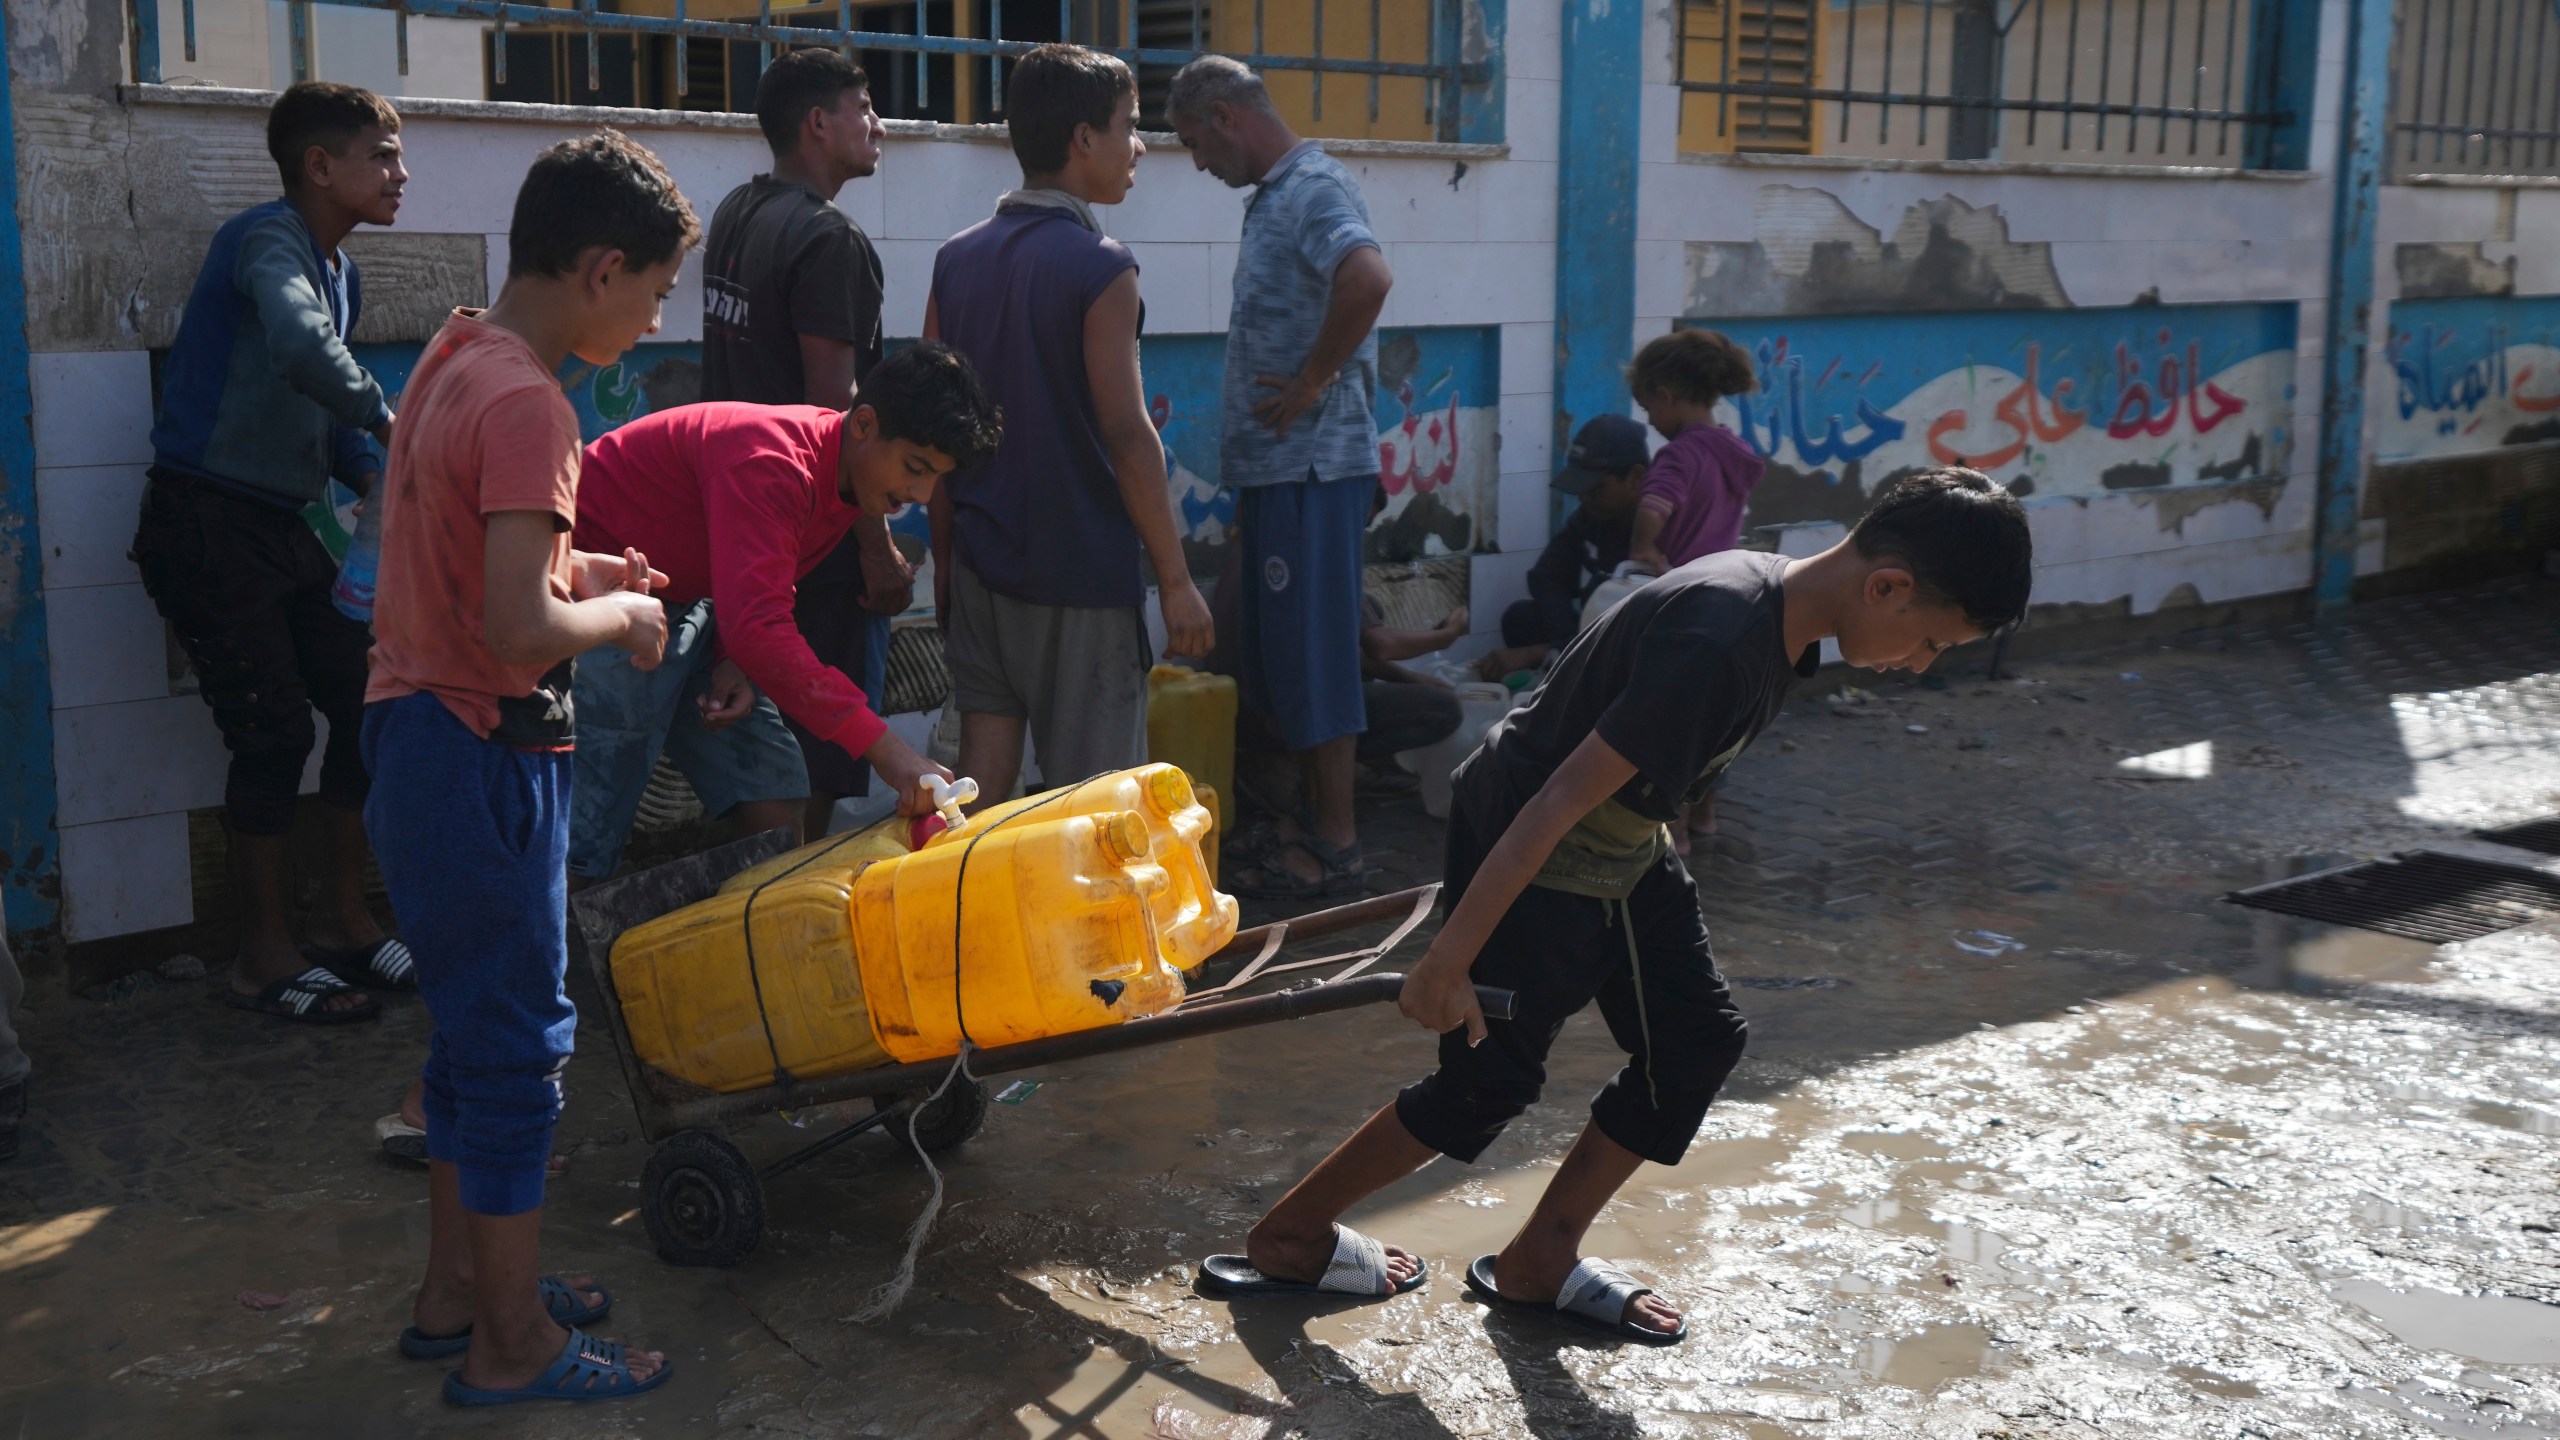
[736, 503]
[1698, 485]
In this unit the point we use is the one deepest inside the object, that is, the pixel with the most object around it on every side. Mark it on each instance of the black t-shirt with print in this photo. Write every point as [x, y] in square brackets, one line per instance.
[781, 263]
[1678, 678]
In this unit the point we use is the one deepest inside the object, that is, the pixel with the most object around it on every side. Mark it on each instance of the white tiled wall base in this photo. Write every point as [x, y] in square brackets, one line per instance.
[121, 876]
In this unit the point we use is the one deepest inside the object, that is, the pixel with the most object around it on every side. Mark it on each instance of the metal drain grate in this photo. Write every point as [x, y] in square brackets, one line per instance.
[2541, 836]
[2435, 898]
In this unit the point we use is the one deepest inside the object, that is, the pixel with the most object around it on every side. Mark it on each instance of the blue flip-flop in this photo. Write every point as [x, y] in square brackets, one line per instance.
[589, 1368]
[557, 1298]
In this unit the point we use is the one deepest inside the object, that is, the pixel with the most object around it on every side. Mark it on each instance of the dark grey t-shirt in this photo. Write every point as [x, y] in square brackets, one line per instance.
[781, 263]
[1678, 678]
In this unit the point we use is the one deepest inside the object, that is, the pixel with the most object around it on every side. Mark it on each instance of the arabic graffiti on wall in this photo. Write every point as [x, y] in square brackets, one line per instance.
[1437, 414]
[2052, 403]
[2470, 374]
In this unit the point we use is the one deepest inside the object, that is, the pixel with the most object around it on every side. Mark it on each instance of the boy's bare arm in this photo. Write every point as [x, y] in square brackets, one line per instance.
[527, 623]
[1437, 993]
[1137, 460]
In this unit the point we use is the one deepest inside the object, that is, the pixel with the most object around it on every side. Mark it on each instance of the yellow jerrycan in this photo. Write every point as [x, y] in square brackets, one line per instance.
[1073, 909]
[1191, 722]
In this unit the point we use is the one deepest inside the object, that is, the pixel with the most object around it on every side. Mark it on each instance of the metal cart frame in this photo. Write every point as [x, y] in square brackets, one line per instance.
[702, 1198]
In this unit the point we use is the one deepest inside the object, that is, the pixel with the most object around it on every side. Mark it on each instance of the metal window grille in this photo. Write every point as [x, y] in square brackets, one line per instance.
[927, 46]
[2144, 81]
[2476, 88]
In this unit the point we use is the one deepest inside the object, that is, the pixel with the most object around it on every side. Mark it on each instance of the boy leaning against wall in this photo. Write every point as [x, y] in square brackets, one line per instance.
[1562, 885]
[468, 730]
[261, 406]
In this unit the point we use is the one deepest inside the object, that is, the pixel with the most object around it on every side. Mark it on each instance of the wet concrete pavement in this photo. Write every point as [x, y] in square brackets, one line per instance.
[2036, 1137]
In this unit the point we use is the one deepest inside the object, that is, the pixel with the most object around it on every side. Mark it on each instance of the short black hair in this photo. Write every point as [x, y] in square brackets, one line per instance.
[323, 113]
[1964, 538]
[797, 82]
[1699, 366]
[603, 189]
[929, 394]
[1053, 90]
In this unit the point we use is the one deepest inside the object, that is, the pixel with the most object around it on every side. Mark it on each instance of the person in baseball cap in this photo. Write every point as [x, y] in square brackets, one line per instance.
[1604, 472]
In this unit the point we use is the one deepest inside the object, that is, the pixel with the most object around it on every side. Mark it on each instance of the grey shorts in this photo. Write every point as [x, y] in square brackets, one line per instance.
[1077, 673]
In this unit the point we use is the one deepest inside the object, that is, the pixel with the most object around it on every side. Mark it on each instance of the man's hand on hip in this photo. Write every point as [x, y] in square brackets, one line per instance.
[1294, 395]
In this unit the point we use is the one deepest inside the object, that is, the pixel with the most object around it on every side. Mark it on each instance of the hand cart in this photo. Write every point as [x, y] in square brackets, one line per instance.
[704, 1200]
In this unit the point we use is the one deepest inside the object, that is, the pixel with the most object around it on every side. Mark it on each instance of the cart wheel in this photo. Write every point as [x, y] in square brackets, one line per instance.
[702, 1200]
[947, 1122]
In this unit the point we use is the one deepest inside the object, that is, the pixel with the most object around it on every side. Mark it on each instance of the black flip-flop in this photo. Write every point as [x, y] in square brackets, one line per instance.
[385, 964]
[1595, 1296]
[1358, 1271]
[299, 997]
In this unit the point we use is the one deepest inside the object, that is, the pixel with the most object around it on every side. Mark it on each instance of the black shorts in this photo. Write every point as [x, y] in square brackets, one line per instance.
[1664, 1002]
[851, 638]
[246, 586]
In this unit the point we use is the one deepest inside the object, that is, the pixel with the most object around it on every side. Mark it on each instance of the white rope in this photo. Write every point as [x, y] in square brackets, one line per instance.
[892, 1292]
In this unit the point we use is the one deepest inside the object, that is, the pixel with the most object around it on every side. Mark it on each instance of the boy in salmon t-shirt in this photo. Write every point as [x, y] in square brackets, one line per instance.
[479, 610]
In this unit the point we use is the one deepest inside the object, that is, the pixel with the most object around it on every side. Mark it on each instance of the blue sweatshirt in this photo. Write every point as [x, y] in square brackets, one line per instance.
[259, 394]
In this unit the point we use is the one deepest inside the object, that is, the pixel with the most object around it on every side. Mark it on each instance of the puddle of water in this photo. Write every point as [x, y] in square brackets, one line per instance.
[1928, 1360]
[1962, 1243]
[2212, 1383]
[2493, 1329]
[1893, 1144]
[2358, 957]
[2516, 1117]
[2393, 1217]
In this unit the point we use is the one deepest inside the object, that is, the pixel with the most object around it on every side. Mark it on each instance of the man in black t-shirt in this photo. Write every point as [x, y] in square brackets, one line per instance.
[1561, 886]
[1604, 472]
[791, 316]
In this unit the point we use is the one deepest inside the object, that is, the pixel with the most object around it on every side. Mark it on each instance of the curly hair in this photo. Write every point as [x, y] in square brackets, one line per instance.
[1964, 537]
[1699, 366]
[600, 190]
[928, 394]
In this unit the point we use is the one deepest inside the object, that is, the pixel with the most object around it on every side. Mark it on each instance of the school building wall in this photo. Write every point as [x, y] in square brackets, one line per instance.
[2141, 347]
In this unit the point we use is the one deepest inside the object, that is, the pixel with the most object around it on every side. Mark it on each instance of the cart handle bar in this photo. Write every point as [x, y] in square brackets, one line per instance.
[1295, 1003]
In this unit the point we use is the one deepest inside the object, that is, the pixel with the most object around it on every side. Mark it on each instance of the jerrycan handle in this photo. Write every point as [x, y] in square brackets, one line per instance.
[946, 797]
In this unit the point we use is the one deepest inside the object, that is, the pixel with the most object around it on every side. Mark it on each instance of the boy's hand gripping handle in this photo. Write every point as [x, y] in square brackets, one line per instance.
[946, 797]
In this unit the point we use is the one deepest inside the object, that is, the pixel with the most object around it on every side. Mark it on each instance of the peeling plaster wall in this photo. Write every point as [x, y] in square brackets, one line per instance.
[1913, 256]
[120, 197]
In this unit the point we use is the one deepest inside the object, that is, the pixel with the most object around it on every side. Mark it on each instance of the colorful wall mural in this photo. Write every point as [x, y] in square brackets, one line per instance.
[2068, 403]
[1439, 424]
[2470, 374]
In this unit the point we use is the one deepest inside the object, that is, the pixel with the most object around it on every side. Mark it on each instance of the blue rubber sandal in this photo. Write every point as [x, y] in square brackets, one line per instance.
[557, 1298]
[589, 1368]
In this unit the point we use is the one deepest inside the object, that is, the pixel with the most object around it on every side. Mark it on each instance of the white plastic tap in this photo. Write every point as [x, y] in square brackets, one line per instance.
[947, 796]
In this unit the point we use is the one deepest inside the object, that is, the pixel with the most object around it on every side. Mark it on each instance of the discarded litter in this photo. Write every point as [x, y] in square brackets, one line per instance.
[1915, 729]
[1987, 942]
[1017, 1092]
[2130, 675]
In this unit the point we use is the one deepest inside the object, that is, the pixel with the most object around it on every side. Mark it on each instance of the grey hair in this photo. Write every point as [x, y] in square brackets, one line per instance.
[1214, 79]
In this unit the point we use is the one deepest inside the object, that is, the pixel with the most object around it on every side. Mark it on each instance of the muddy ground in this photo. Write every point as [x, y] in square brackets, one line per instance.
[2036, 1136]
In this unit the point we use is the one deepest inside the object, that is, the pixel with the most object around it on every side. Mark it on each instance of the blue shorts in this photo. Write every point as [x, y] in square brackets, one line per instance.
[628, 716]
[471, 837]
[1299, 646]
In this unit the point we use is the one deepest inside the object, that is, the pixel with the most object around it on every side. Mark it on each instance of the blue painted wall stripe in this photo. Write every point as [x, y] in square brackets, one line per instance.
[30, 852]
[1598, 145]
[2347, 330]
[2284, 54]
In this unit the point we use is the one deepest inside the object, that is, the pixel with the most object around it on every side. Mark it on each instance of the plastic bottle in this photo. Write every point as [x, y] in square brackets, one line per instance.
[1622, 582]
[353, 594]
[1479, 705]
[1191, 722]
